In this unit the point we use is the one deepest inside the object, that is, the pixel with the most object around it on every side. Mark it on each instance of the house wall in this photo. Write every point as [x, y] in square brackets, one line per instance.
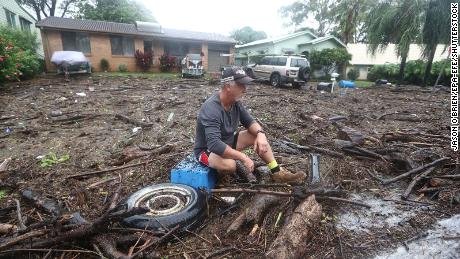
[363, 70]
[13, 6]
[101, 48]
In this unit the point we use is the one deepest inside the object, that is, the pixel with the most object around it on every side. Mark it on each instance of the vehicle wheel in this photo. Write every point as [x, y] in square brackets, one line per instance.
[169, 205]
[304, 73]
[250, 73]
[275, 80]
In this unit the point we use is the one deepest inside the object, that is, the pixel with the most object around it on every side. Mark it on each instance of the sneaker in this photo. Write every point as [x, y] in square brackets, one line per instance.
[285, 176]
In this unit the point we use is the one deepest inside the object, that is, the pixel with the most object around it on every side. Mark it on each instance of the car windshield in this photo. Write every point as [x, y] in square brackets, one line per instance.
[297, 62]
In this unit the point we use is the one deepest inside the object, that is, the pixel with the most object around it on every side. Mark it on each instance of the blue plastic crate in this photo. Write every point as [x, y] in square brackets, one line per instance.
[192, 173]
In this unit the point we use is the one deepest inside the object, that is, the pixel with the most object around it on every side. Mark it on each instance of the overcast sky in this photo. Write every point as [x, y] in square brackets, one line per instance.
[220, 16]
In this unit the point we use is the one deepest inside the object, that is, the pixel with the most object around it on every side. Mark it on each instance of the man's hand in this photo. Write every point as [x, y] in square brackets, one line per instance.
[248, 163]
[261, 144]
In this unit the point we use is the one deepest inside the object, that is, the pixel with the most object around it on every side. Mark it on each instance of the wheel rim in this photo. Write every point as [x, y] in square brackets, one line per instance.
[275, 81]
[164, 201]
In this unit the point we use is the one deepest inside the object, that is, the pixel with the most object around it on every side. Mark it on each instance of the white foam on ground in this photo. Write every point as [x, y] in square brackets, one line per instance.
[434, 245]
[381, 214]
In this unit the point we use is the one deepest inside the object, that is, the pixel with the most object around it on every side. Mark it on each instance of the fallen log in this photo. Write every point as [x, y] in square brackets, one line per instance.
[350, 134]
[254, 212]
[415, 181]
[290, 242]
[299, 192]
[416, 170]
[7, 228]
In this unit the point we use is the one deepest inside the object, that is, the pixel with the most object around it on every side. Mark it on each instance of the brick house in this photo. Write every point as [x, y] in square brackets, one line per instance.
[117, 42]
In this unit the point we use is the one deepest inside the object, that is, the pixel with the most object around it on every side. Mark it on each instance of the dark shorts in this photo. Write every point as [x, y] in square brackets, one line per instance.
[203, 157]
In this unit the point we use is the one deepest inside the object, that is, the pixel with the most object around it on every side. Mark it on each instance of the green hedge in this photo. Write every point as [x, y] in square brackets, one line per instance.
[413, 72]
[18, 58]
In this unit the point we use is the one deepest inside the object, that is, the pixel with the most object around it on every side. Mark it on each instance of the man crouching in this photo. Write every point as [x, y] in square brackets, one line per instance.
[218, 144]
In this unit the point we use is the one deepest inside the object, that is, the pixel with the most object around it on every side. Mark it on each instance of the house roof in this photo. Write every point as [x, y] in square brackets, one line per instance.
[277, 39]
[325, 38]
[361, 56]
[126, 28]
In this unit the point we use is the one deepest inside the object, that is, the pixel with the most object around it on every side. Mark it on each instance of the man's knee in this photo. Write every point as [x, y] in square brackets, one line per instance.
[245, 139]
[221, 164]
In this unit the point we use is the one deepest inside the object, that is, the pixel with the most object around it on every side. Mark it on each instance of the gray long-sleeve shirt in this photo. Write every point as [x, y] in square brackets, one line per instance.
[215, 126]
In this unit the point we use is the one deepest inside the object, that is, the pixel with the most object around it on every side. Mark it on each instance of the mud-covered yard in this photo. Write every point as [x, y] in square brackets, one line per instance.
[97, 123]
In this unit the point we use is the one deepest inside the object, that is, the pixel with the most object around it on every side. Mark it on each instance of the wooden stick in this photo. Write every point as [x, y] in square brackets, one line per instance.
[309, 148]
[10, 242]
[20, 220]
[449, 176]
[343, 200]
[47, 250]
[155, 241]
[416, 170]
[415, 181]
[106, 170]
[94, 185]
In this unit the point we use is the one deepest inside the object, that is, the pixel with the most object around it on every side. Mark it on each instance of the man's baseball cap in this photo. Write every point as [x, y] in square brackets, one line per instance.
[235, 74]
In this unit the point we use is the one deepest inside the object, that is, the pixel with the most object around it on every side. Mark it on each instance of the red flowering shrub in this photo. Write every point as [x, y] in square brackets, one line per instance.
[167, 63]
[144, 60]
[15, 62]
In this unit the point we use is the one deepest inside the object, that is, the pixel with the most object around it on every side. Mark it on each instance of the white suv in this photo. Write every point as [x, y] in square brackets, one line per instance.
[280, 70]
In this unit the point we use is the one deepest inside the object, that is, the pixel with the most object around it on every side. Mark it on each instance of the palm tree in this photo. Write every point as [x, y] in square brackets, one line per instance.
[398, 22]
[436, 30]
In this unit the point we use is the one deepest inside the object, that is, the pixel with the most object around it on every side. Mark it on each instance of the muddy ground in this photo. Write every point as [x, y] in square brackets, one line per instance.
[51, 115]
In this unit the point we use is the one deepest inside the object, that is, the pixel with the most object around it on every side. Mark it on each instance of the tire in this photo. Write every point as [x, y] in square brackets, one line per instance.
[275, 80]
[185, 207]
[304, 73]
[250, 73]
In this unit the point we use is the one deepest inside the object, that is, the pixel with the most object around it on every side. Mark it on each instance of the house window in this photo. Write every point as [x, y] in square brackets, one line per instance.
[122, 46]
[25, 25]
[76, 41]
[10, 18]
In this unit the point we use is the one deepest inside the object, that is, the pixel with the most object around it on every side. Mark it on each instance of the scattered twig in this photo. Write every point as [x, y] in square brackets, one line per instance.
[416, 170]
[133, 121]
[20, 220]
[415, 181]
[107, 170]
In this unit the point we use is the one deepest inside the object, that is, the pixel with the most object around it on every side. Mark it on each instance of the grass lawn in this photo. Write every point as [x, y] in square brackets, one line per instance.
[139, 74]
[363, 83]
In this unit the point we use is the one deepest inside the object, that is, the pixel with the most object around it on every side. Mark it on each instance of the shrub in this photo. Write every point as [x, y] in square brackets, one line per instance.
[20, 39]
[167, 62]
[387, 71]
[122, 68]
[104, 65]
[353, 74]
[144, 60]
[329, 59]
[18, 59]
[413, 72]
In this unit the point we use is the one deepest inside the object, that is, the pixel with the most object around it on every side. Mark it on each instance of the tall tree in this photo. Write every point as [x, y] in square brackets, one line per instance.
[247, 34]
[397, 22]
[303, 10]
[349, 16]
[436, 30]
[45, 8]
[123, 11]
